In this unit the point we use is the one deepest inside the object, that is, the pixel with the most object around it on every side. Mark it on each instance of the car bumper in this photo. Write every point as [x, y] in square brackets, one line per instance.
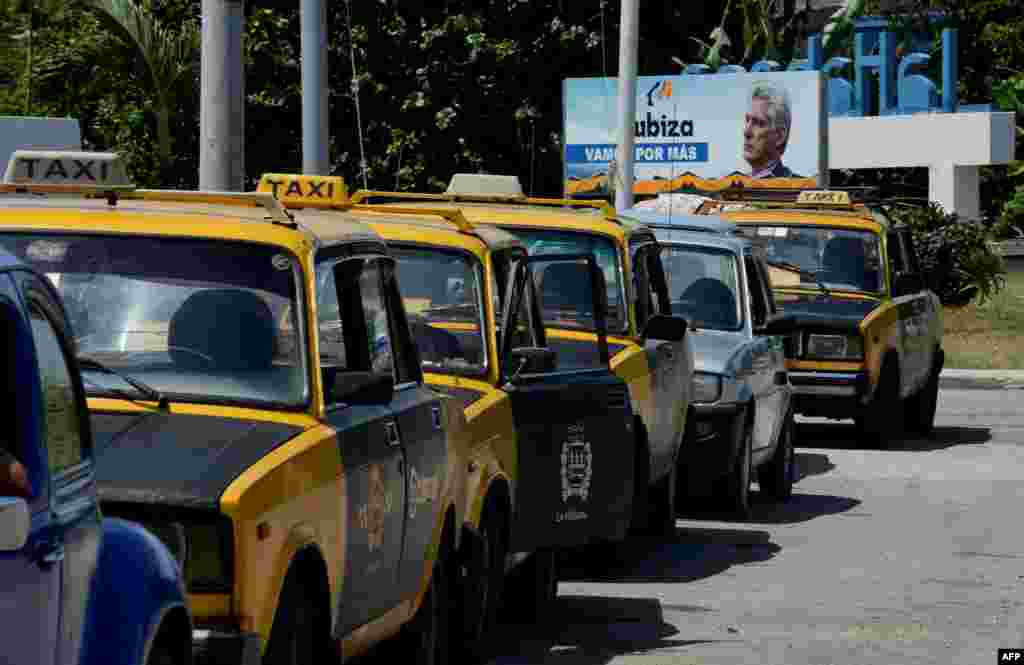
[218, 647]
[829, 394]
[711, 455]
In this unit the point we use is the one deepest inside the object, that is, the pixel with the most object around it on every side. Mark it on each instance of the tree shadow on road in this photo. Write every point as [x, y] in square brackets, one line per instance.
[591, 630]
[843, 436]
[694, 553]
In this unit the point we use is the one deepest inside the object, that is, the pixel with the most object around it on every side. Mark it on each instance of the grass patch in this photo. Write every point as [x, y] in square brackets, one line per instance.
[989, 336]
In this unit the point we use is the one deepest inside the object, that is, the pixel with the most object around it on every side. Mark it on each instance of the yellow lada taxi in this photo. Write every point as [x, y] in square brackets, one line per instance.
[869, 345]
[307, 482]
[551, 457]
[649, 348]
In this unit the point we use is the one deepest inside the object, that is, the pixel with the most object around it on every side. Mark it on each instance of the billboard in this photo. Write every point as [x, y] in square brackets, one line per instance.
[698, 132]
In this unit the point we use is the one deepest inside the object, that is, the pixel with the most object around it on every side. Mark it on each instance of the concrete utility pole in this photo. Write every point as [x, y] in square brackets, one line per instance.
[315, 124]
[628, 40]
[222, 97]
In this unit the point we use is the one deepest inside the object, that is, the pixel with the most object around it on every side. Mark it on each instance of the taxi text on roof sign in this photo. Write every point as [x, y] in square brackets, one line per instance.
[824, 197]
[300, 191]
[49, 167]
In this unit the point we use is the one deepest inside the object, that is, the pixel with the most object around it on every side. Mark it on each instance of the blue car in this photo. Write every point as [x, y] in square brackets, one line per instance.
[74, 588]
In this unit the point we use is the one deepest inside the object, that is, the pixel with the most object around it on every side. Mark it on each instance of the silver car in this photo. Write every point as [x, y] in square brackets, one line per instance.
[741, 418]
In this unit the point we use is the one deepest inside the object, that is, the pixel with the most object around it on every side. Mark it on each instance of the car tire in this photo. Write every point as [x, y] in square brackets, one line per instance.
[482, 590]
[737, 482]
[663, 504]
[532, 594]
[776, 476]
[640, 520]
[881, 422]
[301, 630]
[427, 637]
[920, 408]
[161, 654]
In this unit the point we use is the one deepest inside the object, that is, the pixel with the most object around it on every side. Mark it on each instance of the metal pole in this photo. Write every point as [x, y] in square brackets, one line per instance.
[315, 126]
[222, 97]
[628, 40]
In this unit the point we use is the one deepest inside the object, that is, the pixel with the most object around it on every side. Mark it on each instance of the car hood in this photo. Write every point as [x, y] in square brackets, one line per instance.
[715, 350]
[178, 460]
[826, 312]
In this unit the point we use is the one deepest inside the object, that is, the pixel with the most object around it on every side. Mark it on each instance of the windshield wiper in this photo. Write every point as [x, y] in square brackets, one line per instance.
[91, 364]
[784, 265]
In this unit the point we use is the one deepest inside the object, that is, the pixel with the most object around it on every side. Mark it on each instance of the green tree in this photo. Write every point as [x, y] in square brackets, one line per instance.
[34, 13]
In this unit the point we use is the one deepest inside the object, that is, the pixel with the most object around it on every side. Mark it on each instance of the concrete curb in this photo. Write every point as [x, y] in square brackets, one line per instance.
[982, 379]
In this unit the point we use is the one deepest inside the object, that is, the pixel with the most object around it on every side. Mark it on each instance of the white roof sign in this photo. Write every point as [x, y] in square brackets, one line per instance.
[57, 167]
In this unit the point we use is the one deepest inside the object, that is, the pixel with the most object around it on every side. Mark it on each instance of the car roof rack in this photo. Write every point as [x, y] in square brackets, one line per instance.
[451, 215]
[276, 213]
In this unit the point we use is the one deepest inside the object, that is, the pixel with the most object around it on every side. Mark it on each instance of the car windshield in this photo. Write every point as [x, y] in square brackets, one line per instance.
[815, 256]
[441, 292]
[573, 304]
[198, 320]
[703, 286]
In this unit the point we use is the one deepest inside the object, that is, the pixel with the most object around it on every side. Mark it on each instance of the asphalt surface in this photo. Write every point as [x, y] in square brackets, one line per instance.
[914, 554]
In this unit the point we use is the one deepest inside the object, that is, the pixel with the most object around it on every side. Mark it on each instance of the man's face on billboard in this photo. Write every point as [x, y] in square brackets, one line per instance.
[762, 143]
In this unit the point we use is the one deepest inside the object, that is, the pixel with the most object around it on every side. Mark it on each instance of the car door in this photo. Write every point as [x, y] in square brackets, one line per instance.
[670, 362]
[370, 446]
[911, 313]
[924, 314]
[780, 392]
[417, 411]
[762, 366]
[30, 589]
[74, 541]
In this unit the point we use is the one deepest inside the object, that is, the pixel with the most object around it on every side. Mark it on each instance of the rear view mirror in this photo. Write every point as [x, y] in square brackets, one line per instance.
[780, 324]
[14, 524]
[360, 388]
[532, 360]
[665, 328]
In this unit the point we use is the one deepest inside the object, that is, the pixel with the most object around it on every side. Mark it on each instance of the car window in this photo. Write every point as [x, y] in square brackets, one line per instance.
[62, 433]
[196, 319]
[442, 291]
[540, 242]
[702, 285]
[375, 314]
[803, 255]
[756, 293]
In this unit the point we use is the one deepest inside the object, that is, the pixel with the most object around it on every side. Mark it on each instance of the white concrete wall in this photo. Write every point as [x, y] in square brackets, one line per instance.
[951, 145]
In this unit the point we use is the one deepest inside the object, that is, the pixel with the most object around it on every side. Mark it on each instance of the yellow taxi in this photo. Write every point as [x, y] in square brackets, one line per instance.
[307, 478]
[649, 348]
[869, 345]
[540, 478]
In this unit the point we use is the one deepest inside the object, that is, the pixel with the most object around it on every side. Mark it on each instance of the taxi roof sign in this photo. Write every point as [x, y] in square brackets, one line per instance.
[76, 170]
[306, 191]
[824, 197]
[483, 184]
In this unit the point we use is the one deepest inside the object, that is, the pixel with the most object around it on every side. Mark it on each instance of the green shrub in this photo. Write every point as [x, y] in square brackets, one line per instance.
[955, 254]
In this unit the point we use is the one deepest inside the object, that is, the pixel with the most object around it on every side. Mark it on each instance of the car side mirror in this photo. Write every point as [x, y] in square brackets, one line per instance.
[14, 523]
[360, 388]
[780, 324]
[532, 360]
[906, 283]
[665, 328]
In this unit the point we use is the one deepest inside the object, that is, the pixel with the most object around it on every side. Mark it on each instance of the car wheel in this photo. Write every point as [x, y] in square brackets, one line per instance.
[640, 521]
[776, 477]
[737, 483]
[882, 421]
[483, 587]
[920, 409]
[427, 638]
[301, 630]
[535, 587]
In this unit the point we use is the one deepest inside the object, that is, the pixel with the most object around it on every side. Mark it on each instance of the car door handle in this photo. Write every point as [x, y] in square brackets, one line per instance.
[435, 415]
[391, 433]
[48, 553]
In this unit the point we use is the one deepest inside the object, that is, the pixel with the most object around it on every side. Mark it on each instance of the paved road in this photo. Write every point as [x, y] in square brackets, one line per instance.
[896, 557]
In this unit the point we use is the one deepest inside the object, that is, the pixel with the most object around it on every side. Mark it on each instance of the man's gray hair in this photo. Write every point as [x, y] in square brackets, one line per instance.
[779, 113]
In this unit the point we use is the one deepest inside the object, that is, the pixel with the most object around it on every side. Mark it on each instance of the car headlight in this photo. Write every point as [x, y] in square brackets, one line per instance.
[202, 542]
[846, 347]
[706, 387]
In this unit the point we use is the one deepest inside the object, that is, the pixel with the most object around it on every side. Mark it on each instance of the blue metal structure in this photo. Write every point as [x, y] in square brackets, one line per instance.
[903, 88]
[77, 589]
